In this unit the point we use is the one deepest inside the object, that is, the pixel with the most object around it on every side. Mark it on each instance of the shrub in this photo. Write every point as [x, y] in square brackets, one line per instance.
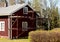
[44, 36]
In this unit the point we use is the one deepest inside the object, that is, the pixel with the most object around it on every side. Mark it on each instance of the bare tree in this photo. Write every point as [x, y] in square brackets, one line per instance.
[51, 12]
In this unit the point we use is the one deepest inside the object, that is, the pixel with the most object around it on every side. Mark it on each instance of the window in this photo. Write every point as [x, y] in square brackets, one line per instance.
[25, 10]
[24, 26]
[2, 25]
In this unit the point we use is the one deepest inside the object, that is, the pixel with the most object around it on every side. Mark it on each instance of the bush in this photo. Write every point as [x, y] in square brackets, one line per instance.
[44, 36]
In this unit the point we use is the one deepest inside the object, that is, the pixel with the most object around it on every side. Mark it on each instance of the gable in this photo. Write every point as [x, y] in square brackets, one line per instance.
[21, 10]
[12, 9]
[30, 8]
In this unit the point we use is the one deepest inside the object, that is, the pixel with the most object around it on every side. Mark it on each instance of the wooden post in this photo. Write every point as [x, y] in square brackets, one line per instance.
[11, 27]
[8, 27]
[32, 14]
[17, 27]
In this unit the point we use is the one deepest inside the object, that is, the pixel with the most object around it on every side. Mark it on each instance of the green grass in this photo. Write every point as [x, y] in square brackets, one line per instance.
[14, 40]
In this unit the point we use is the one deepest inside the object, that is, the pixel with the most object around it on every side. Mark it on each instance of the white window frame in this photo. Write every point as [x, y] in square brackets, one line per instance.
[24, 26]
[2, 25]
[26, 10]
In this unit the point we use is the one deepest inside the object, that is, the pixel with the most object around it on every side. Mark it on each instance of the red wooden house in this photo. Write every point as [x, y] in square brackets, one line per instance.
[17, 20]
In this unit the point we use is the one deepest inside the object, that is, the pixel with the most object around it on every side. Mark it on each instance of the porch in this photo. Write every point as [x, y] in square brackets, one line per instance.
[16, 29]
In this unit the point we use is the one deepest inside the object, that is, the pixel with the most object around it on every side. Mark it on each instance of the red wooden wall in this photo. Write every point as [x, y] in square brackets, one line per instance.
[31, 22]
[4, 33]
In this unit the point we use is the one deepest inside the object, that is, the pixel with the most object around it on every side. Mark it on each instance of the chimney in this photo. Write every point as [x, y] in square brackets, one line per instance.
[7, 3]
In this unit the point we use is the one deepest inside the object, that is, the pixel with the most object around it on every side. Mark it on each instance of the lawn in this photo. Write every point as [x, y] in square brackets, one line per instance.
[15, 40]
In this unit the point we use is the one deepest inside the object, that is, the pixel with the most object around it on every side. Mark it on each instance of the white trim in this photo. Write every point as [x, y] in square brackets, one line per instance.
[8, 27]
[11, 27]
[24, 26]
[2, 22]
[24, 9]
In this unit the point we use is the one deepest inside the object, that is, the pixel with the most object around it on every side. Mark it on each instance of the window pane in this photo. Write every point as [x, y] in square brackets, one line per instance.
[25, 10]
[24, 26]
[2, 25]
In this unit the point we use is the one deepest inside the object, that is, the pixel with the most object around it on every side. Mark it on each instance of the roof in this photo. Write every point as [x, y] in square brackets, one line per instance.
[11, 9]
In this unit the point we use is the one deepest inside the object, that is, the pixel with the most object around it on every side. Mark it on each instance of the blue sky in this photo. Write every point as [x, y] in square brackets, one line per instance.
[58, 4]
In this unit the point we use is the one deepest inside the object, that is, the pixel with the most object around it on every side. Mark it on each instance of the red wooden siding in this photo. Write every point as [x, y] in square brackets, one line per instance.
[4, 33]
[31, 22]
[17, 26]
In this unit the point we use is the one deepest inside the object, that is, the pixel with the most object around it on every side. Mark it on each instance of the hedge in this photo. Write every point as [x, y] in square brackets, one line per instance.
[44, 36]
